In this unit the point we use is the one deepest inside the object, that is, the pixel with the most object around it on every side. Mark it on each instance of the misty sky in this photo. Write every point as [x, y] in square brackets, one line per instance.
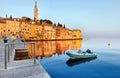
[96, 18]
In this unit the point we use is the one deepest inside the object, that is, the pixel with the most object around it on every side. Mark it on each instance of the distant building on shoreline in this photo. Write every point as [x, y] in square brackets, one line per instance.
[34, 29]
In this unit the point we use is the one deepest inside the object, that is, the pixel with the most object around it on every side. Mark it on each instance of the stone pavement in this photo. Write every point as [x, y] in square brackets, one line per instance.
[22, 68]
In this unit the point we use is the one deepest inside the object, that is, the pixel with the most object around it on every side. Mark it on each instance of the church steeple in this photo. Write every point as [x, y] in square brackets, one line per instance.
[35, 12]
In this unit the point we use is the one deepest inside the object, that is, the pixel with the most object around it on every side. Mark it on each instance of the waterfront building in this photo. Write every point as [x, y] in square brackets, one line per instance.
[69, 34]
[34, 29]
[2, 28]
[33, 34]
[49, 32]
[24, 30]
[57, 33]
[53, 33]
[39, 32]
[62, 33]
[76, 34]
[12, 27]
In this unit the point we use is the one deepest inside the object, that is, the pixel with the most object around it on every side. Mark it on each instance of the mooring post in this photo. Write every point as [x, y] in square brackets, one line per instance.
[5, 58]
[8, 53]
[34, 53]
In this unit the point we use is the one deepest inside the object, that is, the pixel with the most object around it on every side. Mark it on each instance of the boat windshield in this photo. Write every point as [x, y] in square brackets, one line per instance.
[79, 51]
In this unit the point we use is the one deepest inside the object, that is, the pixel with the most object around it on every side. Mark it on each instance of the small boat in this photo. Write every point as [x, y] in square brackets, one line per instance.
[77, 55]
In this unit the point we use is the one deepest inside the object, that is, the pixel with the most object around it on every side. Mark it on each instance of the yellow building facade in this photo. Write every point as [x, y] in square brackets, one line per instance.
[3, 28]
[12, 27]
[76, 34]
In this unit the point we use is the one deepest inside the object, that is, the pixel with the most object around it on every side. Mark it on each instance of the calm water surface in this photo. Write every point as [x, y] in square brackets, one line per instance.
[59, 65]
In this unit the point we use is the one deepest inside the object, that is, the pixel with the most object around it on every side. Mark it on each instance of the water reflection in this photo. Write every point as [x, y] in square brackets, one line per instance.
[72, 62]
[49, 48]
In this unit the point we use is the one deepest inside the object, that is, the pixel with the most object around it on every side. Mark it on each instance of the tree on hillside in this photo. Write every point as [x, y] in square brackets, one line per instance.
[27, 19]
[64, 25]
[46, 21]
[40, 21]
[59, 24]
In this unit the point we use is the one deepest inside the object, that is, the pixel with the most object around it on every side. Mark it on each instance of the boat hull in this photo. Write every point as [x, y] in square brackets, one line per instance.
[75, 56]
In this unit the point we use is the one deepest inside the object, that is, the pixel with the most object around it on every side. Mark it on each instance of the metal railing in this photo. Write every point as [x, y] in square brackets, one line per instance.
[10, 49]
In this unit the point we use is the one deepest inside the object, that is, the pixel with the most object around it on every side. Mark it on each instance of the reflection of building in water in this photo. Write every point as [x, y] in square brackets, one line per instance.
[43, 48]
[48, 48]
[76, 44]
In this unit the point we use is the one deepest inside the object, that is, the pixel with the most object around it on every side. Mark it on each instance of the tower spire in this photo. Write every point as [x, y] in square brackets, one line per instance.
[35, 2]
[35, 11]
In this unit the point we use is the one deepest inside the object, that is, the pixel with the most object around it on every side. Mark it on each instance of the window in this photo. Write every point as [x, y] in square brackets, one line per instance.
[74, 36]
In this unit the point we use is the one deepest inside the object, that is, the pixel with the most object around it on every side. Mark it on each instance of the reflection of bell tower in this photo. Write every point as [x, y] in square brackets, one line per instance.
[35, 12]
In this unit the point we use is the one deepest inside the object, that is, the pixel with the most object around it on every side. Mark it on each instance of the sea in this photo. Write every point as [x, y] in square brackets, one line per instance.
[59, 65]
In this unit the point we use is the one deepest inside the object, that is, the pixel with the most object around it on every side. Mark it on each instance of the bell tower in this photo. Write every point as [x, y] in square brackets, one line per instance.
[35, 12]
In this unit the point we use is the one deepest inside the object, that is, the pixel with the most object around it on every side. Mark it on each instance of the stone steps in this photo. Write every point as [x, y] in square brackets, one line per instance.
[21, 54]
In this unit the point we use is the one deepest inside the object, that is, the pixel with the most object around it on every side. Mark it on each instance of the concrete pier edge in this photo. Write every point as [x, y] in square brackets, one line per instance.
[21, 69]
